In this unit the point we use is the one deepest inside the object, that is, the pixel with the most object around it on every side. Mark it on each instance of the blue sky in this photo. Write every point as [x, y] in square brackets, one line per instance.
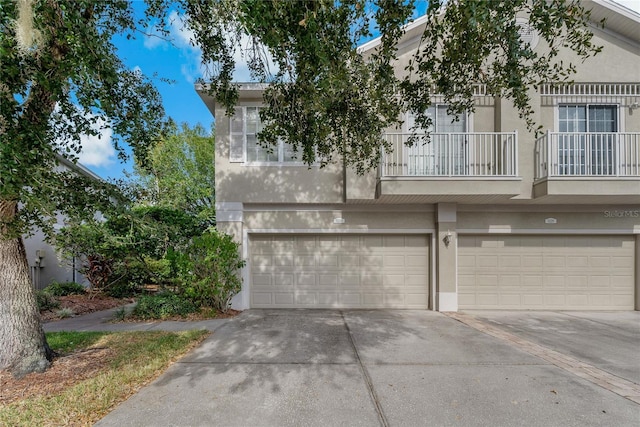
[178, 61]
[160, 59]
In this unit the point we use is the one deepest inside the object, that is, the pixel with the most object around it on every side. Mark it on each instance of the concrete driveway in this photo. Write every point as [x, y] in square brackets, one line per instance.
[401, 368]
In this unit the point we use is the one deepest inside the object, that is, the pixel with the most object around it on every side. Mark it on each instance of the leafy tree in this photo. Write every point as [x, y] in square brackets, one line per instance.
[332, 103]
[132, 248]
[60, 77]
[180, 172]
[209, 269]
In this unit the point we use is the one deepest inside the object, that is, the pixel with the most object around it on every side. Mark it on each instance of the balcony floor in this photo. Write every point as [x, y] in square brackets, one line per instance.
[448, 189]
[588, 189]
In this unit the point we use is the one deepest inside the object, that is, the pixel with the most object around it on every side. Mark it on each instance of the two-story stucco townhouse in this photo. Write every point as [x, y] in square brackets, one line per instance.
[486, 216]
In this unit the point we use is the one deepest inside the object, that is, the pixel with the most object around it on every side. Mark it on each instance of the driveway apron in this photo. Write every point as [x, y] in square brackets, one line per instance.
[366, 368]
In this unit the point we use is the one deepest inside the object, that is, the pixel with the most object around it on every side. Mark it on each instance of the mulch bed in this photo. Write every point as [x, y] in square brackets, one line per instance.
[65, 371]
[83, 304]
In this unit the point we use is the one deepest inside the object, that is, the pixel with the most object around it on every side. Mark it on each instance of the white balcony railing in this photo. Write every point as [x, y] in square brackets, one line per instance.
[588, 154]
[478, 154]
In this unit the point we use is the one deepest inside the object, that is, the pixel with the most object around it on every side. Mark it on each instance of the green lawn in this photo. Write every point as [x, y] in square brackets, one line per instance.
[133, 359]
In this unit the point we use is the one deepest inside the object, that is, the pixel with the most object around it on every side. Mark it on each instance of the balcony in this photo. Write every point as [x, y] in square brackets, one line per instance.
[450, 167]
[584, 165]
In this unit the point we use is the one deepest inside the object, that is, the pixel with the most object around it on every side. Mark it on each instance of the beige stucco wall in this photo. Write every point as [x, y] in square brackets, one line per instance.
[616, 219]
[354, 221]
[236, 182]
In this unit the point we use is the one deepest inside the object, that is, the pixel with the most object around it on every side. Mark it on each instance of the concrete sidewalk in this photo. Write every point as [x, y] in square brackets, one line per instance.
[389, 368]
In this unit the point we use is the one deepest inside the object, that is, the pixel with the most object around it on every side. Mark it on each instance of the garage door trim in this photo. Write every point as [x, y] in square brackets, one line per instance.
[245, 295]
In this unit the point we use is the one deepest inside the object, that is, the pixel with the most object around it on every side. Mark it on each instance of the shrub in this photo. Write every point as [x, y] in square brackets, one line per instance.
[120, 314]
[121, 289]
[130, 249]
[209, 270]
[46, 301]
[66, 288]
[63, 313]
[162, 305]
[141, 271]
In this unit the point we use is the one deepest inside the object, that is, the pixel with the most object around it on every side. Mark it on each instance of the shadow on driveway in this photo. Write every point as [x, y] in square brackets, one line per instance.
[358, 367]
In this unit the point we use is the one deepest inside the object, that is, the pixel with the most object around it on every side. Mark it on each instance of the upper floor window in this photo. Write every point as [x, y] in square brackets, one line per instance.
[586, 141]
[243, 140]
[441, 120]
[447, 151]
[588, 118]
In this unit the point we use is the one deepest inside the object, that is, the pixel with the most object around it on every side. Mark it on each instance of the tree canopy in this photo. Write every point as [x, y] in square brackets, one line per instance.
[331, 102]
[62, 78]
[180, 171]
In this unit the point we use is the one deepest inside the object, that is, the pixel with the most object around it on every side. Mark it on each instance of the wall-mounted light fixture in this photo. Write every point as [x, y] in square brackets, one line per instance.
[447, 238]
[38, 261]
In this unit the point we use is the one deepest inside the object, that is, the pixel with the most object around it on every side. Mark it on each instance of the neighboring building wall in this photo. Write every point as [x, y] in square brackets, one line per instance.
[46, 265]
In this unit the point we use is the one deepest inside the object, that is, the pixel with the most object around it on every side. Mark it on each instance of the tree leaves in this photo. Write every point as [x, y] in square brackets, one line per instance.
[331, 103]
[52, 94]
[180, 172]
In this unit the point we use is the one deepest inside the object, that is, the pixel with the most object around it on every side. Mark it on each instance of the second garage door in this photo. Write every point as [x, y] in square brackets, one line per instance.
[339, 271]
[546, 272]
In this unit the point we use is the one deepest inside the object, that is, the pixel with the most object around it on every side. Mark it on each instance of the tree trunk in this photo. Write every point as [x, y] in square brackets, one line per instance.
[23, 347]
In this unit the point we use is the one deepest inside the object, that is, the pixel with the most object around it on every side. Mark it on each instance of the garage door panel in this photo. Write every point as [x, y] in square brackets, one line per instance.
[282, 260]
[580, 282]
[621, 261]
[546, 272]
[416, 280]
[305, 279]
[510, 299]
[371, 260]
[261, 298]
[372, 280]
[554, 261]
[578, 261]
[509, 261]
[621, 282]
[349, 261]
[261, 279]
[283, 298]
[394, 261]
[340, 271]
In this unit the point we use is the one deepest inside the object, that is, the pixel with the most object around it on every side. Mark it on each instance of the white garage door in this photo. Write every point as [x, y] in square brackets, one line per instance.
[339, 271]
[546, 272]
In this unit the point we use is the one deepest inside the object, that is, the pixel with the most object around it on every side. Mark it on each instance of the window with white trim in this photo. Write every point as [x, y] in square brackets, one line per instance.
[447, 152]
[586, 143]
[588, 118]
[441, 120]
[244, 145]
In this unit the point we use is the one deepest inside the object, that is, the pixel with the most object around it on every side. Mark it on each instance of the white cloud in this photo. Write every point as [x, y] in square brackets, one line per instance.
[97, 150]
[180, 34]
[153, 40]
[181, 37]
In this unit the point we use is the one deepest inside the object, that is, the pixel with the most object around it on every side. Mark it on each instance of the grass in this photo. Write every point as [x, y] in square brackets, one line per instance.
[136, 358]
